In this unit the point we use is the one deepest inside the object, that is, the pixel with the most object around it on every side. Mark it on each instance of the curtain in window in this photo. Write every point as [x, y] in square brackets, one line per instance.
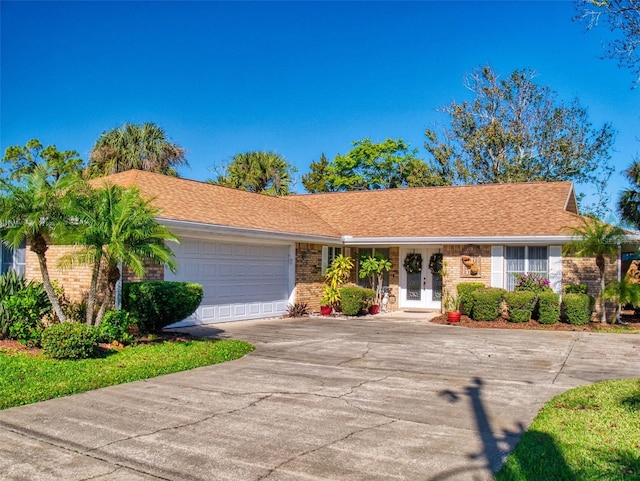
[539, 260]
[515, 264]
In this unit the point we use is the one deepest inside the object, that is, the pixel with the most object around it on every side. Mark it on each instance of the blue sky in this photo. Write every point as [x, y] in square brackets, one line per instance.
[299, 78]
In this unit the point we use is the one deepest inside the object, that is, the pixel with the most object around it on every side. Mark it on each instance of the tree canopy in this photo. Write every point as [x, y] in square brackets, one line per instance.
[629, 201]
[622, 17]
[144, 147]
[371, 166]
[257, 171]
[514, 130]
[20, 161]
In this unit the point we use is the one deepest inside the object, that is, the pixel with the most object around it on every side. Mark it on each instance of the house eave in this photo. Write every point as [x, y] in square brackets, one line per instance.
[244, 232]
[459, 240]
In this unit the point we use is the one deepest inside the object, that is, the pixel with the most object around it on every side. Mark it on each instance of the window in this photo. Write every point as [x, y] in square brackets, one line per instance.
[524, 260]
[12, 259]
[368, 251]
[329, 253]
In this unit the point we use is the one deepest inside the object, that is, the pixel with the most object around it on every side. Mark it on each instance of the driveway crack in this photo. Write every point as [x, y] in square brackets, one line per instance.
[361, 356]
[566, 358]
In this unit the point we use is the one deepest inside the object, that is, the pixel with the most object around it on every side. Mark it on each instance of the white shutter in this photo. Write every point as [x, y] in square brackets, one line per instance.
[497, 266]
[555, 268]
[325, 259]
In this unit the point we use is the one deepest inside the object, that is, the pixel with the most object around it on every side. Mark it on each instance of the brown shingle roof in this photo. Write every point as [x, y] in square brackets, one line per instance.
[526, 209]
[193, 201]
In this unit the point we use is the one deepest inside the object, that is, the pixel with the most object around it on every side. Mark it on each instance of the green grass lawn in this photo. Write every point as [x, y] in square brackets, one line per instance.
[589, 433]
[26, 379]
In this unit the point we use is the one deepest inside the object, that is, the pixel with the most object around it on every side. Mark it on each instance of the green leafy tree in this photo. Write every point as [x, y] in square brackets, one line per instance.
[317, 180]
[515, 130]
[373, 268]
[116, 226]
[597, 239]
[144, 147]
[372, 166]
[622, 292]
[629, 202]
[621, 17]
[20, 161]
[32, 211]
[260, 172]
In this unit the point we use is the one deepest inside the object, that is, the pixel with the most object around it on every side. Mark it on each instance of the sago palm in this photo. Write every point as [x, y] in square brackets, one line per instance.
[597, 239]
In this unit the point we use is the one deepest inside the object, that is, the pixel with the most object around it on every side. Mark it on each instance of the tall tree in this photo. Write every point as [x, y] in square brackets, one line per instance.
[629, 202]
[32, 211]
[317, 180]
[373, 165]
[116, 227]
[20, 161]
[260, 172]
[622, 17]
[515, 130]
[144, 147]
[600, 240]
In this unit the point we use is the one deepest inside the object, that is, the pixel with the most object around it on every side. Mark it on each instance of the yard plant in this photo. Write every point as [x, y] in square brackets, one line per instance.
[26, 378]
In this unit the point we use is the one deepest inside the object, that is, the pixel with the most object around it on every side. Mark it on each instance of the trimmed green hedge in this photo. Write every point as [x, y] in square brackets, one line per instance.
[70, 340]
[577, 308]
[520, 305]
[465, 291]
[548, 308]
[354, 299]
[156, 304]
[576, 289]
[487, 303]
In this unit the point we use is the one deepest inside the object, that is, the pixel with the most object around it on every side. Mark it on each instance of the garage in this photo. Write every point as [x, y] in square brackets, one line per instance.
[240, 280]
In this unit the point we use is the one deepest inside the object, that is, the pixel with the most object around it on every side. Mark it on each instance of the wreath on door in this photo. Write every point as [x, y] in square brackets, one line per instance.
[413, 263]
[435, 263]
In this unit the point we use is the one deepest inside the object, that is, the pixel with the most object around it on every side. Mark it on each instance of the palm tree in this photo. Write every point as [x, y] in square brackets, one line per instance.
[33, 211]
[629, 202]
[132, 146]
[596, 239]
[623, 292]
[260, 172]
[116, 227]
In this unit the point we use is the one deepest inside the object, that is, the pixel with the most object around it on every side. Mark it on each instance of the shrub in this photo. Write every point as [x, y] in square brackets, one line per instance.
[24, 312]
[520, 305]
[115, 324]
[10, 283]
[548, 308]
[70, 340]
[156, 304]
[465, 291]
[576, 289]
[354, 299]
[299, 309]
[487, 303]
[577, 308]
[531, 282]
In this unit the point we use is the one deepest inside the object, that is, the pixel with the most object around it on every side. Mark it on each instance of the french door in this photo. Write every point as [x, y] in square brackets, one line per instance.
[422, 290]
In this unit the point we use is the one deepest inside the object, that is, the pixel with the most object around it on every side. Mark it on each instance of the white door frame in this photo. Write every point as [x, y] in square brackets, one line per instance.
[426, 300]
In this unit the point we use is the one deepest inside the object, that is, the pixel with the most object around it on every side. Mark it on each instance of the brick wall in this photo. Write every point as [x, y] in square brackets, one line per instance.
[583, 270]
[154, 272]
[453, 264]
[309, 279]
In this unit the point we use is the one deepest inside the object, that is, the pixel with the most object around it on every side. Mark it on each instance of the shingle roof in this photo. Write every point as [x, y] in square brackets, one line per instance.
[193, 201]
[525, 209]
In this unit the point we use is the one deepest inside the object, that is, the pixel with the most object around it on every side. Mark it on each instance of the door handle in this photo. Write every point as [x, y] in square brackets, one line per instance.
[424, 283]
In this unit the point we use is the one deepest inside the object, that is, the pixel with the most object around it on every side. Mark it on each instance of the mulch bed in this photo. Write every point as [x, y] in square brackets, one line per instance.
[632, 323]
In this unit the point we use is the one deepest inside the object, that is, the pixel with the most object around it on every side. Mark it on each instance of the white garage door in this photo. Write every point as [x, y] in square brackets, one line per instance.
[240, 281]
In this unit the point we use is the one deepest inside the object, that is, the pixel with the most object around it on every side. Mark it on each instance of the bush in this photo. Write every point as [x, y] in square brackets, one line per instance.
[531, 282]
[487, 303]
[354, 299]
[577, 308]
[70, 340]
[24, 312]
[299, 309]
[465, 291]
[548, 308]
[520, 305]
[10, 283]
[115, 324]
[156, 304]
[576, 289]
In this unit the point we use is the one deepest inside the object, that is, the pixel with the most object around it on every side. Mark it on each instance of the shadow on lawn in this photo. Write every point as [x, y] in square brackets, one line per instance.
[495, 448]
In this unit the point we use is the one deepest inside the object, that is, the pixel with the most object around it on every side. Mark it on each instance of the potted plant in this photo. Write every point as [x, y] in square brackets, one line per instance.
[452, 306]
[373, 267]
[337, 274]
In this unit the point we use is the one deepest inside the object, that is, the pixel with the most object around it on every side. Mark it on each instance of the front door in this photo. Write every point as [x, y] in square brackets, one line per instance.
[419, 288]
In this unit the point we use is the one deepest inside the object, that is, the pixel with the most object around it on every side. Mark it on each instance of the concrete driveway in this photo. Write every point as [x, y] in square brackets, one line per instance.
[385, 398]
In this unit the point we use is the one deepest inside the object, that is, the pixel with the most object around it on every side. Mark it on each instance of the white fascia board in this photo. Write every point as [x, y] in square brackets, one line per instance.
[196, 228]
[490, 240]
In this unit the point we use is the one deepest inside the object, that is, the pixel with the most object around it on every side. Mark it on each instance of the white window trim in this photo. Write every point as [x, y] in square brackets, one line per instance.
[328, 254]
[526, 262]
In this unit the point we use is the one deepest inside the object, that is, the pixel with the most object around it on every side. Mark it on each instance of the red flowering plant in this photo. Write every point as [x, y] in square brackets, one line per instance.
[532, 282]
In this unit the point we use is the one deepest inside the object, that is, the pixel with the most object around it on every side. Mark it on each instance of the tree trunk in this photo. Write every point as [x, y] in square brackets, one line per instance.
[113, 276]
[39, 247]
[603, 312]
[93, 289]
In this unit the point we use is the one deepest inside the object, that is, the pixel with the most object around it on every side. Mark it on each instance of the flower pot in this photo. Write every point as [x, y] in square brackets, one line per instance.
[325, 310]
[453, 316]
[374, 309]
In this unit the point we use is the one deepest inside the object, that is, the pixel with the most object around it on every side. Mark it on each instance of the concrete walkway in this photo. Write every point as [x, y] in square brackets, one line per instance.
[384, 398]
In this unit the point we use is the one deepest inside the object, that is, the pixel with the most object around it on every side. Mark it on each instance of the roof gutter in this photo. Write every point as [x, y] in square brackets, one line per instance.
[459, 240]
[244, 232]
